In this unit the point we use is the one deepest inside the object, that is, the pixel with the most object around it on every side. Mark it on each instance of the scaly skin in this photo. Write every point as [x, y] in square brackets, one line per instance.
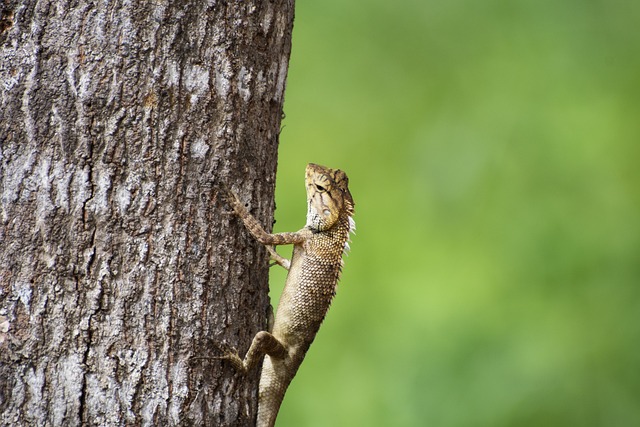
[314, 271]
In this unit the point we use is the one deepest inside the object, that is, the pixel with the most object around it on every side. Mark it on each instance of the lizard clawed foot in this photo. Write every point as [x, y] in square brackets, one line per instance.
[230, 354]
[237, 206]
[228, 197]
[226, 353]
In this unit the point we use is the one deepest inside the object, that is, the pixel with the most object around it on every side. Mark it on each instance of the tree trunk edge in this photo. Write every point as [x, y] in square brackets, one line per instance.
[119, 263]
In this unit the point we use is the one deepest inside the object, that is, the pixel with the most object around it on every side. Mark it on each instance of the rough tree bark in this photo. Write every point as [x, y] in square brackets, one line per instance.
[118, 266]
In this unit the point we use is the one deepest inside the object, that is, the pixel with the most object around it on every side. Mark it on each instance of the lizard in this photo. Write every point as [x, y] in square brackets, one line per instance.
[313, 274]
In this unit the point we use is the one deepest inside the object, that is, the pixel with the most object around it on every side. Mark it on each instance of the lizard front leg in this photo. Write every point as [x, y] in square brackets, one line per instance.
[267, 239]
[278, 259]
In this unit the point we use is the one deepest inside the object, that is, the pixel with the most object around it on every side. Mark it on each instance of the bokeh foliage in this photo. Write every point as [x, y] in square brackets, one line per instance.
[493, 152]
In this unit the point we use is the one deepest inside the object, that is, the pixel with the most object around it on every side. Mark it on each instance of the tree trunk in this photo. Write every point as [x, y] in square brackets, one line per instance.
[120, 267]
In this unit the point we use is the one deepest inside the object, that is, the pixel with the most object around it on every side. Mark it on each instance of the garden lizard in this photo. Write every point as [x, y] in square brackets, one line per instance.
[310, 286]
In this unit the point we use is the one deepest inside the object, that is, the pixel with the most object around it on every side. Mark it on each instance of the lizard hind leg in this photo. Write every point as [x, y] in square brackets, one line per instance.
[263, 343]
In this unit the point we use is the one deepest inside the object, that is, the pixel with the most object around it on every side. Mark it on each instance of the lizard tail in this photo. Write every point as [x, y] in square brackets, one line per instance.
[272, 390]
[268, 409]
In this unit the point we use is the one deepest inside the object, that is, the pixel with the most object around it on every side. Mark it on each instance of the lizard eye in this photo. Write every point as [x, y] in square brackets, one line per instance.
[320, 188]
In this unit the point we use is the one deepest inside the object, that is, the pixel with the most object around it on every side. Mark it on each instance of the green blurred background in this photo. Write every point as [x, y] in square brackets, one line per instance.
[493, 152]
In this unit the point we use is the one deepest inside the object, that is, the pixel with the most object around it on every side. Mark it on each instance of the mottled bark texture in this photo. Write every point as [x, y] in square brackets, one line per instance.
[119, 264]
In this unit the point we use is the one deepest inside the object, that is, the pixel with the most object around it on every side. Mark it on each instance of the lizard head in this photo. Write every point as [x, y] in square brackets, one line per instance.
[328, 196]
